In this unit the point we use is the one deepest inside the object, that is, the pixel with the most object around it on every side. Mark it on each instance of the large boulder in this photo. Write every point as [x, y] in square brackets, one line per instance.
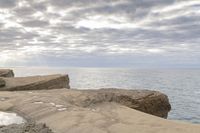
[2, 83]
[151, 102]
[6, 73]
[36, 83]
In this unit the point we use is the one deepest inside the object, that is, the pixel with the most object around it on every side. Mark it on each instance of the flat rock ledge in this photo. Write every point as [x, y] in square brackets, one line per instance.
[6, 73]
[48, 99]
[35, 83]
[99, 111]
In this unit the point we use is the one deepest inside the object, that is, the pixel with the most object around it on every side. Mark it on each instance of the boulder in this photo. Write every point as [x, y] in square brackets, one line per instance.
[6, 73]
[2, 83]
[151, 102]
[36, 83]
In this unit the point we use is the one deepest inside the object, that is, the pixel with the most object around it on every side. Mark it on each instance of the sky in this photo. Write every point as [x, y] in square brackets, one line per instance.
[100, 33]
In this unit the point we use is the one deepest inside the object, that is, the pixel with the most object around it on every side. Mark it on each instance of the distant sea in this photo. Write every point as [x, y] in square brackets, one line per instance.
[181, 85]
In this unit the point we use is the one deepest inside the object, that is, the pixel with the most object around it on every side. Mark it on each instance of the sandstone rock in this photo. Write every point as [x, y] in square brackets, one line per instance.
[6, 73]
[29, 127]
[5, 106]
[151, 102]
[99, 111]
[36, 83]
[2, 83]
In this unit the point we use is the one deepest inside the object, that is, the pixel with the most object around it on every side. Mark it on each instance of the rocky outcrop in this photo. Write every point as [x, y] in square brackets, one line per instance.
[151, 102]
[6, 73]
[29, 127]
[2, 83]
[99, 111]
[71, 111]
[36, 83]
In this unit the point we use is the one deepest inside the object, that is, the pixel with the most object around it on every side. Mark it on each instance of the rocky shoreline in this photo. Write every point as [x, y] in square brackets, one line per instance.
[29, 127]
[49, 100]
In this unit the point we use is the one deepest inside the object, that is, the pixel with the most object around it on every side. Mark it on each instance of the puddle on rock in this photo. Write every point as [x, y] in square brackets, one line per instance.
[10, 118]
[38, 102]
[62, 109]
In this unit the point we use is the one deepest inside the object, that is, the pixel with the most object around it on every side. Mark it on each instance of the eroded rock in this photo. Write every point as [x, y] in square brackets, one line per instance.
[36, 83]
[2, 83]
[101, 111]
[6, 73]
[30, 127]
[151, 102]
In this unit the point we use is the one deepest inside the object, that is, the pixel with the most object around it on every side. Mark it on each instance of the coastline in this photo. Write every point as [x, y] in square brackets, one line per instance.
[109, 110]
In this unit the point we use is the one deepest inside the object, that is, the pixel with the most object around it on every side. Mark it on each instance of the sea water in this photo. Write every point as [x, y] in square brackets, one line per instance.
[182, 86]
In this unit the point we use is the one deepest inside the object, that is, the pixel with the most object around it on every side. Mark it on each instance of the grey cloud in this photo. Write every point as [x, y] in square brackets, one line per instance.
[55, 32]
[8, 3]
[35, 23]
[21, 12]
[132, 9]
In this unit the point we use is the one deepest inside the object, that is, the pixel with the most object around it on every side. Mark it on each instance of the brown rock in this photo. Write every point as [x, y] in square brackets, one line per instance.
[2, 83]
[99, 111]
[6, 73]
[36, 83]
[151, 102]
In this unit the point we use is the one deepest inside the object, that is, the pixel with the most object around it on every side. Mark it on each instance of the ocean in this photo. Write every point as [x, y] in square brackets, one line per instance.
[182, 86]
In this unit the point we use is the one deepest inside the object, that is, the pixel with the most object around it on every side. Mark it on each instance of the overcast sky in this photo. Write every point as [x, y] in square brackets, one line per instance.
[100, 33]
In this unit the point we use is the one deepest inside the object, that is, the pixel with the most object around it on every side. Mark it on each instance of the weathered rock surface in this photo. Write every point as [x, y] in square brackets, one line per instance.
[65, 110]
[99, 111]
[151, 102]
[36, 83]
[29, 127]
[2, 83]
[85, 111]
[6, 73]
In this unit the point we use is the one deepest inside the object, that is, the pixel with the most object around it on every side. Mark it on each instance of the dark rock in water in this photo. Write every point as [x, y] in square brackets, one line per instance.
[36, 83]
[2, 83]
[6, 73]
[29, 127]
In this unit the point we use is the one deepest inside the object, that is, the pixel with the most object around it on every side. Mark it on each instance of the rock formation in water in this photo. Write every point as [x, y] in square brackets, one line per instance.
[36, 83]
[6, 73]
[99, 111]
[45, 99]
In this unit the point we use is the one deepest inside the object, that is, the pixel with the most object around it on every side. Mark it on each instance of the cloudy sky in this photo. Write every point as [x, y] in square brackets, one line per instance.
[100, 33]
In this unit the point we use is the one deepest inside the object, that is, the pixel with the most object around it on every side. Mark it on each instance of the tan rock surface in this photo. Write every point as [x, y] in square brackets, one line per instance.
[36, 83]
[74, 111]
[6, 73]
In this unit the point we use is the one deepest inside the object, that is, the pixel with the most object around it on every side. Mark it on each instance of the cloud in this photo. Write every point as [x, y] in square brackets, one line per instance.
[101, 30]
[35, 23]
[8, 3]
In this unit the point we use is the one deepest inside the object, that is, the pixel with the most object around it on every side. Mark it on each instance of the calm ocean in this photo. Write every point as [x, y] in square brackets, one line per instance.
[181, 85]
